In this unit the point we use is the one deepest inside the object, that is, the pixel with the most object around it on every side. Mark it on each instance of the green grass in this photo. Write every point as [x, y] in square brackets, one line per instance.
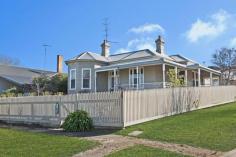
[143, 151]
[213, 128]
[14, 143]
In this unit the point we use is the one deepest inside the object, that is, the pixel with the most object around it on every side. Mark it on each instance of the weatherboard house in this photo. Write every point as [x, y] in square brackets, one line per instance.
[141, 69]
[15, 76]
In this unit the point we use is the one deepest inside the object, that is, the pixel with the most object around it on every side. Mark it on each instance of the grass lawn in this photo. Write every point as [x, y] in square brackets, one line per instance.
[14, 143]
[143, 151]
[213, 128]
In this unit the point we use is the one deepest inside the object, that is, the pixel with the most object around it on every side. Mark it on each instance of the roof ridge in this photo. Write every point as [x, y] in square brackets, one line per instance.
[26, 68]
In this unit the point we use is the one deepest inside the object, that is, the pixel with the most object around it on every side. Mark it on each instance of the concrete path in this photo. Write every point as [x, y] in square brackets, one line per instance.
[112, 143]
[230, 154]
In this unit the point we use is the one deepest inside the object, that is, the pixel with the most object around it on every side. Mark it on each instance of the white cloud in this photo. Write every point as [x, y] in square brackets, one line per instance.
[147, 28]
[122, 50]
[233, 42]
[146, 46]
[215, 26]
[138, 44]
[143, 38]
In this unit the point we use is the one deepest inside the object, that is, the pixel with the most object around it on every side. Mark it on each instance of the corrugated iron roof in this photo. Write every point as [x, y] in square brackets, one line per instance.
[21, 75]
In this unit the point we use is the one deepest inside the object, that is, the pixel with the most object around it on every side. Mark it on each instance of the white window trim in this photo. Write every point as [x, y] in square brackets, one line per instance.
[70, 79]
[82, 80]
[132, 77]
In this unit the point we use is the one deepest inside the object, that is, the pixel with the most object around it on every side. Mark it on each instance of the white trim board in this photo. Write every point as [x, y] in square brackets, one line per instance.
[83, 79]
[70, 79]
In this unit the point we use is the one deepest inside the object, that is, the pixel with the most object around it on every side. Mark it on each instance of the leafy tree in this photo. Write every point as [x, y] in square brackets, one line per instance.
[58, 83]
[40, 84]
[174, 80]
[225, 59]
[54, 84]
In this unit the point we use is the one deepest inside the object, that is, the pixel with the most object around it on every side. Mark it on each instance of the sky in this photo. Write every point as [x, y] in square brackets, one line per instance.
[195, 29]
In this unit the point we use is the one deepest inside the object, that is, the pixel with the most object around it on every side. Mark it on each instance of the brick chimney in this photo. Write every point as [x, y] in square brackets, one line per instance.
[105, 48]
[160, 45]
[59, 64]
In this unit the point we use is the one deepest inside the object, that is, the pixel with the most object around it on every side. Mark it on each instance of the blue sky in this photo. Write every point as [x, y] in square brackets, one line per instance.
[192, 28]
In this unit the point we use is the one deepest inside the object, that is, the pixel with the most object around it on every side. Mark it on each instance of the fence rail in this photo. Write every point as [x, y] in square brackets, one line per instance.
[114, 109]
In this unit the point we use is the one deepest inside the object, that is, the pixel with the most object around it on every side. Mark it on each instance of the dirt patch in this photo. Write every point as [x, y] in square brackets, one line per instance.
[112, 143]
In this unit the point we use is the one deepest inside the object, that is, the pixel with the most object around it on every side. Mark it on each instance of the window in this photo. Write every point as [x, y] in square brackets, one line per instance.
[86, 78]
[72, 79]
[136, 77]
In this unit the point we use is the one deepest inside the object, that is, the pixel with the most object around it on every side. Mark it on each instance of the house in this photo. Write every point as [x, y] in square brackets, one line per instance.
[14, 76]
[232, 76]
[89, 72]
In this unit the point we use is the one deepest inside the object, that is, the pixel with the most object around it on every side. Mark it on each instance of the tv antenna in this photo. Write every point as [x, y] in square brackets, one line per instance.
[106, 29]
[45, 55]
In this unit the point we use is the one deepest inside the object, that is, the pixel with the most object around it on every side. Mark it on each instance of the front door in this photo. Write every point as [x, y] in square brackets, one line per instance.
[136, 77]
[113, 80]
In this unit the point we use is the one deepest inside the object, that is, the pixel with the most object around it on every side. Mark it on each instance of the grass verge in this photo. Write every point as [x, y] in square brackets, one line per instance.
[15, 143]
[213, 128]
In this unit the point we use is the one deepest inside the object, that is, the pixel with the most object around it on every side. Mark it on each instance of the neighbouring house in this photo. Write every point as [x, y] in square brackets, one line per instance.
[232, 77]
[141, 69]
[14, 76]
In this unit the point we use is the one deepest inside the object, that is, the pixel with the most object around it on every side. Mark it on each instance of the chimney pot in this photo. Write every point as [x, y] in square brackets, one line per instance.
[160, 45]
[105, 48]
[59, 64]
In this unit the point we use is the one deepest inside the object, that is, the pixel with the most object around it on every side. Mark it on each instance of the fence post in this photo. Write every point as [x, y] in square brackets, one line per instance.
[9, 113]
[32, 111]
[59, 108]
[123, 110]
[76, 102]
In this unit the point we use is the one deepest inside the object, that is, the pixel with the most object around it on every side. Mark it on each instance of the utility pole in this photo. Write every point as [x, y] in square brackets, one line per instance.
[45, 55]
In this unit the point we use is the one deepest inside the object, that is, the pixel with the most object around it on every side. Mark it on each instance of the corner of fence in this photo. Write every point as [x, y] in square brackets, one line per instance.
[123, 109]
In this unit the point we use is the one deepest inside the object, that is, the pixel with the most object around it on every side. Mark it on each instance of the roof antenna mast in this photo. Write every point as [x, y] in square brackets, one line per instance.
[105, 24]
[106, 30]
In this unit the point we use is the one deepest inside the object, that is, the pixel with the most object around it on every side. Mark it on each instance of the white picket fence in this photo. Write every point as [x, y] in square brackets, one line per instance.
[104, 108]
[114, 109]
[145, 105]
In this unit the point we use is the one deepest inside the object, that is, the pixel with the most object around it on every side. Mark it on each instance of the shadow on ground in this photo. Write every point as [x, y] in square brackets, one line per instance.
[58, 131]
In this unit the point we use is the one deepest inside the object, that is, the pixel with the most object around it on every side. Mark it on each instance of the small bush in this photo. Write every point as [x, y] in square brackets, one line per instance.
[78, 121]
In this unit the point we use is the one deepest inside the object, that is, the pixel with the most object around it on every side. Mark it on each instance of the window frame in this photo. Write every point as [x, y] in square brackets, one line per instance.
[133, 75]
[71, 79]
[82, 78]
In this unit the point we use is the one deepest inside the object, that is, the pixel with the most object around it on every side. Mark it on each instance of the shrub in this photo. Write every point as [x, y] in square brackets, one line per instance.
[78, 121]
